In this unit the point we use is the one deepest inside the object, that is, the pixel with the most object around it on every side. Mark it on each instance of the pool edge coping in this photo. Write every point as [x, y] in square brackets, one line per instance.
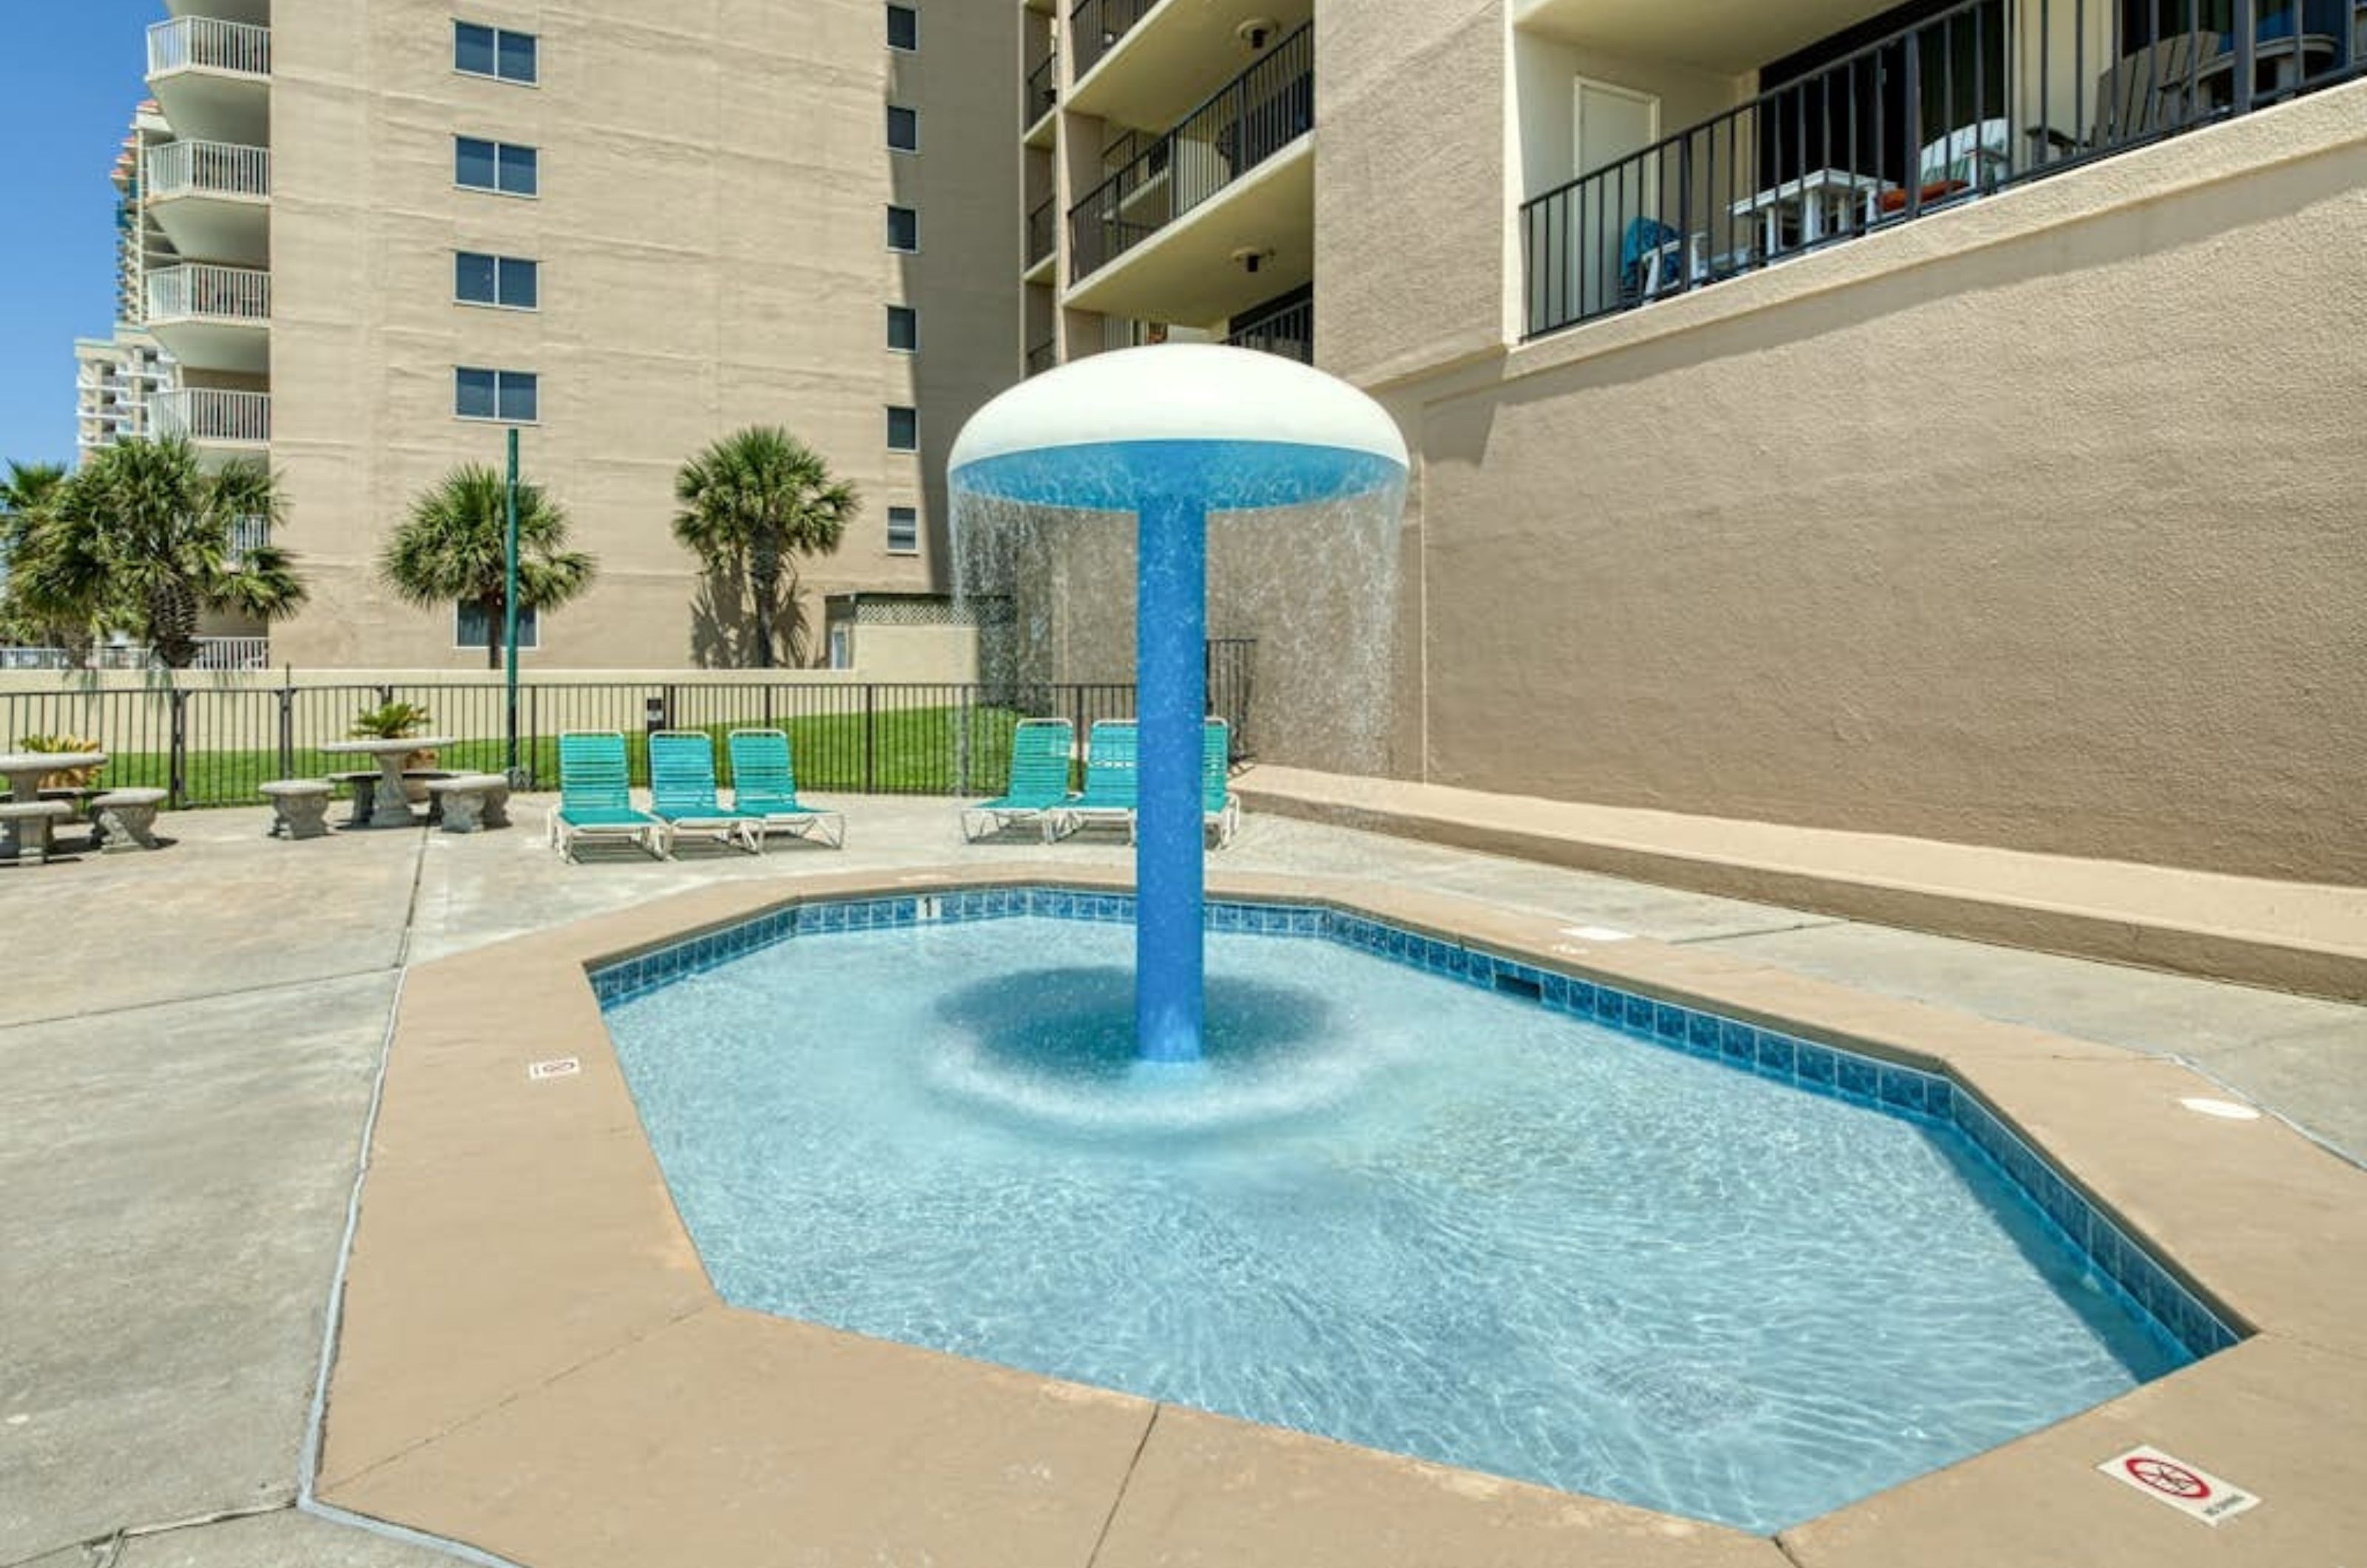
[2030, 1081]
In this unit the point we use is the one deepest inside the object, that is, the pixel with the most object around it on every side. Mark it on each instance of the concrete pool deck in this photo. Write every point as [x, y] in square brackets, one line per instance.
[181, 1104]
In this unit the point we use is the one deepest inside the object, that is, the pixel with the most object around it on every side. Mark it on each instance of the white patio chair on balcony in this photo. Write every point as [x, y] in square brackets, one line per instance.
[1971, 158]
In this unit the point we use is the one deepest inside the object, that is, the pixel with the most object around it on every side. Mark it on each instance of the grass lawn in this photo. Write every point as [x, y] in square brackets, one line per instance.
[893, 752]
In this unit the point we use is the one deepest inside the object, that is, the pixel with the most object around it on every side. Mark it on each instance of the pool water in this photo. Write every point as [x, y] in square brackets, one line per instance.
[1387, 1208]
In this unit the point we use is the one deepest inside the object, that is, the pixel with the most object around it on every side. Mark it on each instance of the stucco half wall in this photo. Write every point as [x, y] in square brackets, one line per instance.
[2036, 523]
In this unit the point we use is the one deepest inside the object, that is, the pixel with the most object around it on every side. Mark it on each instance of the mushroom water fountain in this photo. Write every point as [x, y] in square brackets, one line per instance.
[1170, 434]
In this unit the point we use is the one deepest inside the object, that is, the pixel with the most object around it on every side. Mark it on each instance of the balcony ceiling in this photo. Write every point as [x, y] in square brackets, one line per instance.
[205, 226]
[257, 12]
[204, 105]
[1729, 36]
[235, 347]
[1180, 52]
[1186, 273]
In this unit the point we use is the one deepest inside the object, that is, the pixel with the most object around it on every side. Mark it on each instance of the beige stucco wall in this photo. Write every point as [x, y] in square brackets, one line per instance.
[2038, 523]
[1416, 171]
[712, 229]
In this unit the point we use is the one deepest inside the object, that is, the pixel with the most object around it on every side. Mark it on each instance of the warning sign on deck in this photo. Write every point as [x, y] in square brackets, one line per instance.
[565, 1067]
[2193, 1492]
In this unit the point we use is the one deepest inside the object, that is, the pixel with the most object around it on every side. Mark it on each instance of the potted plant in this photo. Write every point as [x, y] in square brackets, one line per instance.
[395, 721]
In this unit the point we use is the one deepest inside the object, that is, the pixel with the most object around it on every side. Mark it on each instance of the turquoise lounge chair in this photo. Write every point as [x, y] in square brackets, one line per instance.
[1219, 808]
[596, 797]
[764, 789]
[1110, 777]
[1042, 751]
[682, 791]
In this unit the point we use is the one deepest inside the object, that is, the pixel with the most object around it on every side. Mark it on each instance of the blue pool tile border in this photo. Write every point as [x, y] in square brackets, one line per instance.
[2121, 1263]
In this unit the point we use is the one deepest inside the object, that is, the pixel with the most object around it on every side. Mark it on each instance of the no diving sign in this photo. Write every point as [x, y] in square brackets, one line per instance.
[2195, 1493]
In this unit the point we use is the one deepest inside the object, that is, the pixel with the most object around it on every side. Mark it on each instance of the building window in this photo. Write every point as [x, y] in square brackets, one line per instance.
[494, 165]
[904, 129]
[479, 279]
[512, 396]
[903, 229]
[903, 27]
[903, 430]
[471, 627]
[903, 328]
[904, 530]
[494, 51]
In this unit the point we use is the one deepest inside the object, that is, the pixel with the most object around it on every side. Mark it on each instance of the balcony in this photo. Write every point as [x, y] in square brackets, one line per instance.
[1039, 96]
[211, 418]
[213, 199]
[214, 318]
[1288, 331]
[1100, 24]
[213, 78]
[1976, 99]
[1042, 356]
[1043, 227]
[1140, 63]
[1215, 215]
[248, 534]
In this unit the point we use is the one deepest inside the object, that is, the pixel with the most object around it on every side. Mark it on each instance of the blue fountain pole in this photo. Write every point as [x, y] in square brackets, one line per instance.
[1171, 706]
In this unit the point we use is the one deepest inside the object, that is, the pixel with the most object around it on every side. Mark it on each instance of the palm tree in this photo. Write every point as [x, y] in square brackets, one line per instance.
[449, 551]
[144, 539]
[751, 503]
[26, 498]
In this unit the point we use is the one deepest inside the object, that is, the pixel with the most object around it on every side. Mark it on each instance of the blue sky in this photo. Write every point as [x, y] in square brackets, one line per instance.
[69, 77]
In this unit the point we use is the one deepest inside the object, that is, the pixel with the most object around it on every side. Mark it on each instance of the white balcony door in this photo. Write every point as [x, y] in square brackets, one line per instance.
[1610, 123]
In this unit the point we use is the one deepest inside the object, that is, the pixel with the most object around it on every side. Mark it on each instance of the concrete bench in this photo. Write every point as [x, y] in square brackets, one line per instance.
[299, 807]
[126, 819]
[468, 802]
[25, 827]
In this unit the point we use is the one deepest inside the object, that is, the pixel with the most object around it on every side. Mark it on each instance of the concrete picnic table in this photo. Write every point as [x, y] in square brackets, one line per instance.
[389, 806]
[25, 771]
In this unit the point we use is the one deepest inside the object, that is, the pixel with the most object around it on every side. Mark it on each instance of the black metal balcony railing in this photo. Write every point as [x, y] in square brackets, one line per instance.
[1099, 24]
[1983, 96]
[1041, 357]
[1040, 94]
[1248, 120]
[1289, 332]
[1040, 231]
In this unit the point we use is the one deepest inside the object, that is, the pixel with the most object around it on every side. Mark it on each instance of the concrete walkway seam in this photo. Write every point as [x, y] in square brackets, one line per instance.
[1117, 1502]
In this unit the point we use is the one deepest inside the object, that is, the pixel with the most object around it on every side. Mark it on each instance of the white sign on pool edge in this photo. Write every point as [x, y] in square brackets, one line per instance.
[2195, 1493]
[565, 1067]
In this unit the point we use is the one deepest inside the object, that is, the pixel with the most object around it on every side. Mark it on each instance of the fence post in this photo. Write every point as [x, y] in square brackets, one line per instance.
[529, 740]
[2247, 46]
[176, 751]
[963, 707]
[287, 731]
[1914, 122]
[870, 737]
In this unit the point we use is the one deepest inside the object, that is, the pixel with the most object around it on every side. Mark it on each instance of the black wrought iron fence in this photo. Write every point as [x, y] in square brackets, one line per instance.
[1041, 231]
[214, 745]
[1980, 97]
[1040, 94]
[1288, 332]
[1099, 24]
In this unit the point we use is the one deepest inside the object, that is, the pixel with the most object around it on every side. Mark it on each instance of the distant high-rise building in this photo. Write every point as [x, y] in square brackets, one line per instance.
[375, 238]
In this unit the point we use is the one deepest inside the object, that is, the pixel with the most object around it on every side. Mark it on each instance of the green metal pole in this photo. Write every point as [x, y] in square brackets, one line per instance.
[510, 608]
